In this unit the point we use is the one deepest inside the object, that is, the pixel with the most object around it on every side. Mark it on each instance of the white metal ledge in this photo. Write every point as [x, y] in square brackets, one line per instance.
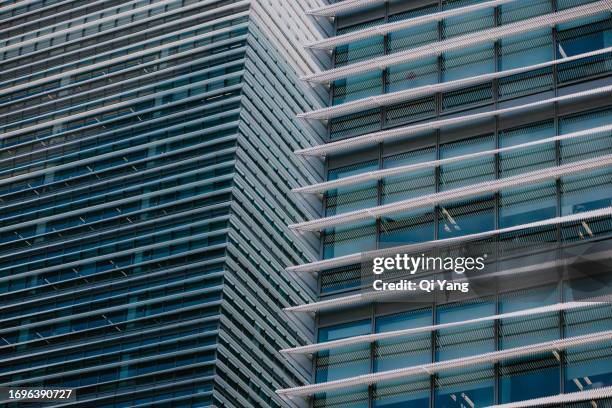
[455, 194]
[380, 174]
[370, 338]
[465, 362]
[391, 98]
[345, 260]
[371, 139]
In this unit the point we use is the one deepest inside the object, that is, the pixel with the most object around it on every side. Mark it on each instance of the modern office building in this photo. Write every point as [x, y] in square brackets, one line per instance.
[146, 168]
[456, 122]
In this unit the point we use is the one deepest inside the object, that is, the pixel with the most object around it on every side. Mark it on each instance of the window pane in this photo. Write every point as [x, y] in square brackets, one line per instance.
[403, 351]
[412, 74]
[349, 240]
[351, 197]
[471, 171]
[528, 378]
[590, 37]
[345, 362]
[468, 387]
[359, 51]
[467, 217]
[584, 121]
[413, 37]
[587, 191]
[527, 159]
[407, 228]
[526, 49]
[522, 331]
[469, 62]
[467, 22]
[357, 87]
[413, 184]
[466, 340]
[527, 204]
[523, 9]
[356, 397]
[411, 393]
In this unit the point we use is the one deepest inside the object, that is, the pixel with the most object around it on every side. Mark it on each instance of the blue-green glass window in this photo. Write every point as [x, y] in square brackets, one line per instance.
[468, 62]
[410, 393]
[413, 184]
[466, 217]
[347, 361]
[353, 197]
[537, 328]
[359, 51]
[526, 49]
[530, 158]
[353, 397]
[465, 340]
[467, 22]
[467, 387]
[583, 121]
[470, 171]
[357, 87]
[528, 378]
[594, 33]
[586, 191]
[407, 228]
[403, 351]
[585, 288]
[588, 320]
[583, 148]
[527, 204]
[351, 239]
[588, 367]
[523, 9]
[413, 37]
[413, 74]
[565, 4]
[586, 147]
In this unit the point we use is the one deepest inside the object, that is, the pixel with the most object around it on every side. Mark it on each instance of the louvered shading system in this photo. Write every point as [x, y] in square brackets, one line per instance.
[372, 139]
[441, 366]
[455, 194]
[459, 42]
[380, 174]
[369, 338]
[387, 99]
[358, 257]
[331, 42]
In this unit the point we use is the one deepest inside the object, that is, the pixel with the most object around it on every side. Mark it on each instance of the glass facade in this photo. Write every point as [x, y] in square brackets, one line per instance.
[486, 141]
[144, 187]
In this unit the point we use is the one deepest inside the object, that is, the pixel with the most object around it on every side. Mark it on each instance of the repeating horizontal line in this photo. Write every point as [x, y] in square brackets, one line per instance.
[459, 42]
[387, 99]
[358, 257]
